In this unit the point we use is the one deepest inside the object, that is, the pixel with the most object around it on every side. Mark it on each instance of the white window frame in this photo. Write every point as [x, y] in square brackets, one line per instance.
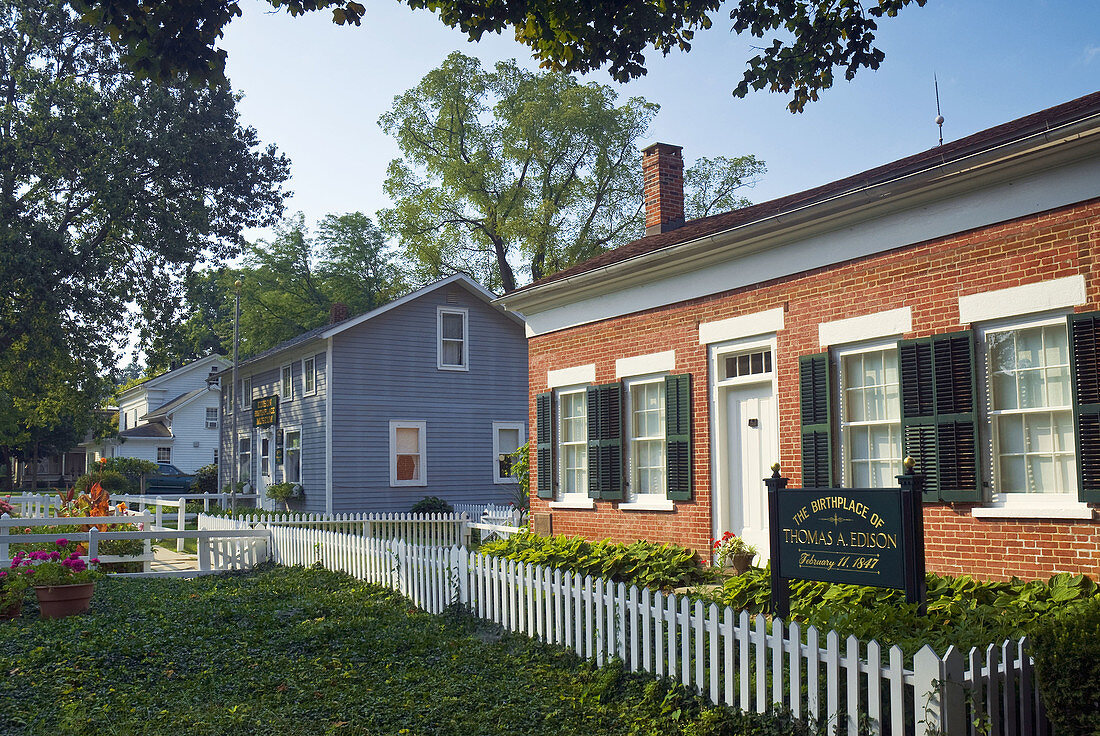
[217, 456]
[286, 452]
[286, 382]
[465, 314]
[168, 451]
[497, 426]
[844, 454]
[245, 394]
[247, 440]
[122, 421]
[422, 427]
[634, 501]
[311, 373]
[575, 499]
[207, 421]
[1055, 505]
[227, 391]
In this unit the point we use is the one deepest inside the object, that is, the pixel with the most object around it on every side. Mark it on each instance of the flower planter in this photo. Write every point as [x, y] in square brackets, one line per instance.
[58, 601]
[12, 611]
[738, 564]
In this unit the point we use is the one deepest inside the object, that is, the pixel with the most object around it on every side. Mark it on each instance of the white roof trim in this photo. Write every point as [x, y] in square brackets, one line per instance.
[210, 388]
[177, 372]
[458, 278]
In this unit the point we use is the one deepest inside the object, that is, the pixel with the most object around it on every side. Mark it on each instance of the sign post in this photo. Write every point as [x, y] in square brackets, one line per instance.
[872, 536]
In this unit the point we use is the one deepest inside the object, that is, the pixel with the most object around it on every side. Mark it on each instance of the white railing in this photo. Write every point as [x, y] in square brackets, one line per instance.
[34, 505]
[441, 530]
[218, 551]
[728, 656]
[179, 503]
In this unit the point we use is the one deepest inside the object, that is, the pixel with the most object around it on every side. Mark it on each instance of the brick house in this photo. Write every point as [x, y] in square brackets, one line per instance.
[943, 306]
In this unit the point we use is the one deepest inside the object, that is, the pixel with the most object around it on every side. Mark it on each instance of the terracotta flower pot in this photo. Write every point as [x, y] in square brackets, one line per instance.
[12, 611]
[738, 564]
[58, 601]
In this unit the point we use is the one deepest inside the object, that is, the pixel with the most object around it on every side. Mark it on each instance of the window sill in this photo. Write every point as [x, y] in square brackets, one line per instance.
[459, 368]
[587, 503]
[656, 504]
[1074, 510]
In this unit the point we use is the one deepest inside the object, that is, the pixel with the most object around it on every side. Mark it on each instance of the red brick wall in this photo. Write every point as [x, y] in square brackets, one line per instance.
[929, 278]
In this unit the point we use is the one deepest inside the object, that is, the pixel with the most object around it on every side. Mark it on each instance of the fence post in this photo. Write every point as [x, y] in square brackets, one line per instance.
[160, 514]
[3, 537]
[465, 531]
[204, 552]
[781, 589]
[181, 522]
[93, 543]
[928, 690]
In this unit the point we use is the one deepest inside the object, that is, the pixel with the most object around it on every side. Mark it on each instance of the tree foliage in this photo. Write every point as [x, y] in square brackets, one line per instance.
[508, 175]
[162, 39]
[288, 285]
[111, 188]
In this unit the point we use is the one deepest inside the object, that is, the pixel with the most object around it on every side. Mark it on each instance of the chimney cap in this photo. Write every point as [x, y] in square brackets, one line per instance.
[662, 148]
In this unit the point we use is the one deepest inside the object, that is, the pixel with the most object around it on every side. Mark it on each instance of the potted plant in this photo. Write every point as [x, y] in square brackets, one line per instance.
[283, 492]
[13, 588]
[733, 552]
[64, 584]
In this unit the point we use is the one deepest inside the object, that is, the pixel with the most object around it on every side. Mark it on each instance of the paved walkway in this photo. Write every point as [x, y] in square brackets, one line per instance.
[167, 559]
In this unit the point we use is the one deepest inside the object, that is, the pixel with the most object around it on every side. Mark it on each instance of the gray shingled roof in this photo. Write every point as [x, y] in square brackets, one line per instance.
[152, 429]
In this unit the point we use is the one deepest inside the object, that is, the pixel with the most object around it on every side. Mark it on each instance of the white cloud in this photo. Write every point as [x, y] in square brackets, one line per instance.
[1091, 52]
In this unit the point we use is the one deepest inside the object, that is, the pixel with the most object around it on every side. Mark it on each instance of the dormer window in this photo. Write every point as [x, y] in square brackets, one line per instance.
[454, 350]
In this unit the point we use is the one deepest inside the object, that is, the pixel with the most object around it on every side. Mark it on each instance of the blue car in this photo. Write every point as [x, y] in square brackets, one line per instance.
[168, 479]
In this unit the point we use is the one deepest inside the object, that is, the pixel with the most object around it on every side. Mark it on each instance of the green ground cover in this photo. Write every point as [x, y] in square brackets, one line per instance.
[294, 651]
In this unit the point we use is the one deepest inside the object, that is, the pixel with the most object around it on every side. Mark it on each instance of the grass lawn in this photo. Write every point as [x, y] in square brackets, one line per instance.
[305, 651]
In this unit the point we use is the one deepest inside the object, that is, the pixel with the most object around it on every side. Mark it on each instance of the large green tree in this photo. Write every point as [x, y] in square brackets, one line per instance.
[111, 189]
[804, 41]
[288, 285]
[509, 175]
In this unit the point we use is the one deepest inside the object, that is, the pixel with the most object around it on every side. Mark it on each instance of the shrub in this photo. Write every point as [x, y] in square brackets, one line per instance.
[432, 505]
[129, 466]
[961, 611]
[283, 492]
[645, 564]
[206, 479]
[1066, 648]
[112, 481]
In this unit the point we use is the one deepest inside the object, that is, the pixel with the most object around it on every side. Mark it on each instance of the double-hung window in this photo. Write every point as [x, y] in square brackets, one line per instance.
[211, 417]
[244, 459]
[453, 330]
[646, 443]
[245, 401]
[286, 388]
[1030, 414]
[292, 456]
[309, 377]
[573, 443]
[227, 391]
[870, 416]
[507, 438]
[164, 454]
[408, 459]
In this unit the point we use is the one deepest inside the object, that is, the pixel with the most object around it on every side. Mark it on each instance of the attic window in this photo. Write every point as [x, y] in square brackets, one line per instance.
[453, 348]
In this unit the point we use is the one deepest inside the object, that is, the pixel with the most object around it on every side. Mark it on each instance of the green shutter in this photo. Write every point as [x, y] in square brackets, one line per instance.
[544, 448]
[1084, 340]
[938, 414]
[605, 442]
[678, 436]
[816, 418]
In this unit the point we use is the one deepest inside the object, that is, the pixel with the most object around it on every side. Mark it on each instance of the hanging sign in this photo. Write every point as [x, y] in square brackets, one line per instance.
[265, 411]
[865, 536]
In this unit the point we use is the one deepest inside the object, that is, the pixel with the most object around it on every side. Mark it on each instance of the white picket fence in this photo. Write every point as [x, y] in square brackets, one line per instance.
[744, 662]
[440, 530]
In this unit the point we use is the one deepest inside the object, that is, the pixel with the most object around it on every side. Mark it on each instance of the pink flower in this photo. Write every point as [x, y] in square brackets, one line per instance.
[62, 542]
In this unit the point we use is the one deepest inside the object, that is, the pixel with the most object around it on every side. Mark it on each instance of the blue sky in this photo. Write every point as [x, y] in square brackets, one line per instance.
[316, 90]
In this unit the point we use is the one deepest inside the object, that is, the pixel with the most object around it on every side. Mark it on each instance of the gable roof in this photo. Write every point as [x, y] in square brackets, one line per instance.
[1039, 124]
[327, 331]
[163, 377]
[177, 402]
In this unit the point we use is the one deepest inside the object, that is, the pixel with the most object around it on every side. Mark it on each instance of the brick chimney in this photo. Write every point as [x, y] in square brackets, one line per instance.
[663, 173]
[338, 312]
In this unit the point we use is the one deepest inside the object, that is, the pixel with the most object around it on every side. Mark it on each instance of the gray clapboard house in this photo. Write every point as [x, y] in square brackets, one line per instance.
[419, 397]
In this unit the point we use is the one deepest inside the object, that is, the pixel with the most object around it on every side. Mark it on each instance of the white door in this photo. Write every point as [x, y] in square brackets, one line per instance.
[267, 444]
[752, 446]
